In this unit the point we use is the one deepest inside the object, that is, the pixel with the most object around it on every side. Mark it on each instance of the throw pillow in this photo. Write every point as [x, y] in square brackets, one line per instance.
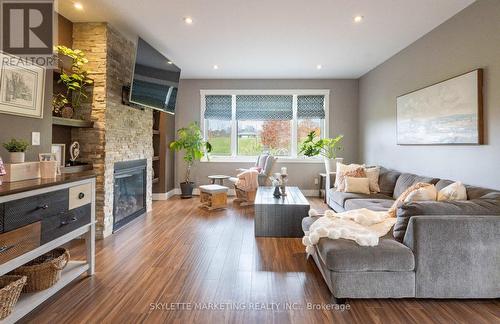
[404, 195]
[343, 168]
[356, 173]
[455, 191]
[357, 185]
[426, 193]
[372, 173]
[269, 165]
[261, 161]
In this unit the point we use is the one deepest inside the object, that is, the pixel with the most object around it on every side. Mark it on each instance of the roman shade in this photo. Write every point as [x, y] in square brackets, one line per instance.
[311, 107]
[264, 107]
[218, 107]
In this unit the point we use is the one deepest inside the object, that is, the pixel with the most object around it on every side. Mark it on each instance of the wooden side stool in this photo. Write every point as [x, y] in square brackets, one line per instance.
[213, 196]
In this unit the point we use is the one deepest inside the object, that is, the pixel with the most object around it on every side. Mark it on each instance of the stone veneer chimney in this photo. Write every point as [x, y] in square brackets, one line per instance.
[120, 133]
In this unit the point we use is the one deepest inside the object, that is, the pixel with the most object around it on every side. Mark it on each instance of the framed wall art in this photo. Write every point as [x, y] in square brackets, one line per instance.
[446, 113]
[21, 87]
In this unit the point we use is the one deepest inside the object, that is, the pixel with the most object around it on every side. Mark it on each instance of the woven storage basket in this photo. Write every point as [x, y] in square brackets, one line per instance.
[44, 271]
[10, 290]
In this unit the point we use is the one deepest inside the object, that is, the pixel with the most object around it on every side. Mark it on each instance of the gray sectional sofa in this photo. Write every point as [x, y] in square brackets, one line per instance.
[436, 250]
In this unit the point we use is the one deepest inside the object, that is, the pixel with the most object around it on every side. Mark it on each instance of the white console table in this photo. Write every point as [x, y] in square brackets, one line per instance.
[72, 184]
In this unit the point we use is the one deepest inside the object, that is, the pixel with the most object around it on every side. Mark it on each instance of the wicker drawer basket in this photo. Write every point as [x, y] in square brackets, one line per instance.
[44, 271]
[10, 289]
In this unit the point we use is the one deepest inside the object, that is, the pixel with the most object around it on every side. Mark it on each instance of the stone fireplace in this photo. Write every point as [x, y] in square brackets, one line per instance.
[120, 133]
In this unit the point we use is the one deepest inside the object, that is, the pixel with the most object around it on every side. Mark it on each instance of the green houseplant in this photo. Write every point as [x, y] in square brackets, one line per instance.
[16, 148]
[74, 76]
[325, 147]
[190, 141]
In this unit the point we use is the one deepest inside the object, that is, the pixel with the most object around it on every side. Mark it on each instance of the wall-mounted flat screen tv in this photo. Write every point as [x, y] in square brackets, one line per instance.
[155, 80]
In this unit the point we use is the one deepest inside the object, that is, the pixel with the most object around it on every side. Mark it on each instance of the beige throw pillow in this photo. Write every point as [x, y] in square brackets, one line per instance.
[401, 199]
[455, 191]
[426, 193]
[357, 173]
[342, 168]
[372, 173]
[357, 185]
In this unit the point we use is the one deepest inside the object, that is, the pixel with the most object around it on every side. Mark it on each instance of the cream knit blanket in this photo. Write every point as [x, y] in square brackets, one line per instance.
[363, 226]
[248, 180]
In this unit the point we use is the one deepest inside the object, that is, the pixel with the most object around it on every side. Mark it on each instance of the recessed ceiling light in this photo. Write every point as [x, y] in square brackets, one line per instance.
[358, 19]
[216, 67]
[78, 5]
[319, 67]
[188, 20]
[170, 62]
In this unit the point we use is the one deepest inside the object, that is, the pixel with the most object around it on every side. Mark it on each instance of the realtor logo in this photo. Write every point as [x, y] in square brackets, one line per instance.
[27, 27]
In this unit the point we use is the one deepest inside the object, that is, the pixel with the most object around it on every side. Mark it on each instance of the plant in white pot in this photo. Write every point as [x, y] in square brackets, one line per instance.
[190, 140]
[16, 148]
[325, 147]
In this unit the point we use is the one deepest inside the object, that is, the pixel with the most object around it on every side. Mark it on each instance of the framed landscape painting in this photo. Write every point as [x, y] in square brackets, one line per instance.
[446, 113]
[21, 87]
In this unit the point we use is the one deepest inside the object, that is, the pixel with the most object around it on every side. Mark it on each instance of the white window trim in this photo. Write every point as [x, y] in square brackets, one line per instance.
[234, 136]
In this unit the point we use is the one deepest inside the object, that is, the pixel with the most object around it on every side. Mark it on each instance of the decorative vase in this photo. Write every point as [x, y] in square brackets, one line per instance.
[67, 112]
[276, 192]
[331, 164]
[16, 157]
[65, 62]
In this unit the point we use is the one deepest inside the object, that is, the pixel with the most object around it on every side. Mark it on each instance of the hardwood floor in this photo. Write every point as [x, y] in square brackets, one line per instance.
[182, 254]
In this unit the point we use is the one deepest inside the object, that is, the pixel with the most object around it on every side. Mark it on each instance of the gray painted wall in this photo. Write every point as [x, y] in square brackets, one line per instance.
[469, 40]
[21, 127]
[343, 120]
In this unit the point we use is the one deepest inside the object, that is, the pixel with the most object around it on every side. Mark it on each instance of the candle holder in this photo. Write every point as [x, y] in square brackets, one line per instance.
[283, 184]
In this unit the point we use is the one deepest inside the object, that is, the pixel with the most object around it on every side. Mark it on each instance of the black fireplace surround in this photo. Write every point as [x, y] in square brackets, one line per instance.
[129, 192]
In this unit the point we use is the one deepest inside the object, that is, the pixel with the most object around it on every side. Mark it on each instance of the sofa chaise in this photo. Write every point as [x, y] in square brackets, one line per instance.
[436, 249]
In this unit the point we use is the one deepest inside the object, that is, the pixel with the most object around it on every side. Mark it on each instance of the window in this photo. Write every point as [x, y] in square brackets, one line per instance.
[246, 123]
[310, 116]
[257, 136]
[218, 116]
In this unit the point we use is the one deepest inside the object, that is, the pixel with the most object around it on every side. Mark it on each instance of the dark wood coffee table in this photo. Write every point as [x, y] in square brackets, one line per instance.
[280, 217]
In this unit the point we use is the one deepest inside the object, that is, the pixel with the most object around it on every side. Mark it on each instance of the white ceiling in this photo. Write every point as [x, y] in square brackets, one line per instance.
[272, 38]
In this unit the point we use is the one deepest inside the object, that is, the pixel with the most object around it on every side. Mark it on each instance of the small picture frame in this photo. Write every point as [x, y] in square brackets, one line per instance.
[60, 151]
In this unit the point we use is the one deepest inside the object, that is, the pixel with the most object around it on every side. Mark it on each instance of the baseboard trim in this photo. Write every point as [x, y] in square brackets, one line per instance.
[231, 192]
[165, 195]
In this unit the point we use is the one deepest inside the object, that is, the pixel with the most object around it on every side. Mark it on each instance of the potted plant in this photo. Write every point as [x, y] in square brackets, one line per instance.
[16, 148]
[190, 140]
[75, 79]
[326, 147]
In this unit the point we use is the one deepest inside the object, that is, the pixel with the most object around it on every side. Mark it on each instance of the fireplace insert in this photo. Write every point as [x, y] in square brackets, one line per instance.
[129, 192]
